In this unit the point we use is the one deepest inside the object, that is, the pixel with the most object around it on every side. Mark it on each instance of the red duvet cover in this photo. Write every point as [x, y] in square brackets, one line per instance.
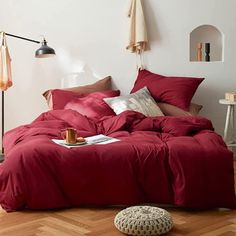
[163, 160]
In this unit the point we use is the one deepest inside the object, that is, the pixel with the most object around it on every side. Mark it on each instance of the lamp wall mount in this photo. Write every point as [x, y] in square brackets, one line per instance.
[43, 52]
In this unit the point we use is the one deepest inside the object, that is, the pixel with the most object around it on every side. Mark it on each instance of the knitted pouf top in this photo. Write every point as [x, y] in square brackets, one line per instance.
[143, 220]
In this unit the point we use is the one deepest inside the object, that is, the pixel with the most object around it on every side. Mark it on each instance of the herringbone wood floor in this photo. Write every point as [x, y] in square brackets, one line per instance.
[97, 222]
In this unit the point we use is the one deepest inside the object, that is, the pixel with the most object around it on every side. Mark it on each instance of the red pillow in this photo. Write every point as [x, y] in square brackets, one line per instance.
[177, 91]
[100, 85]
[92, 105]
[62, 97]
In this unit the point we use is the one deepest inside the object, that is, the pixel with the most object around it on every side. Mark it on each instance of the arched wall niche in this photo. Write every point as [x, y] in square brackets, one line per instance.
[206, 34]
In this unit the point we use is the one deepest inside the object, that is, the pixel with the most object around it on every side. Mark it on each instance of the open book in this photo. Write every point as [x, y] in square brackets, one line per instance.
[97, 139]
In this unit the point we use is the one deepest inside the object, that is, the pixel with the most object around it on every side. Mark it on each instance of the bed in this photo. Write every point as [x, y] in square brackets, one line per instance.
[174, 160]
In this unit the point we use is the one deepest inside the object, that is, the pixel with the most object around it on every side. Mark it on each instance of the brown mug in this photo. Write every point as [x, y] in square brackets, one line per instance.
[70, 135]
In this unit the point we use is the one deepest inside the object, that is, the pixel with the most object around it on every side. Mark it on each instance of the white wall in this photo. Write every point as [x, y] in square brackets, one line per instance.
[94, 32]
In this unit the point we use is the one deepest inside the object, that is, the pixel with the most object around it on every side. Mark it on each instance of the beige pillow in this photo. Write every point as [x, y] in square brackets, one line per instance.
[140, 101]
[100, 85]
[170, 110]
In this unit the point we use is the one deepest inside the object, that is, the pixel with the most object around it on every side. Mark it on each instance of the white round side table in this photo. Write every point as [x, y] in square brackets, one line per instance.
[229, 121]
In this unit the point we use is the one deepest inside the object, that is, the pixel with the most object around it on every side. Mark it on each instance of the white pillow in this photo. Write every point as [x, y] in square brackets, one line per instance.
[140, 101]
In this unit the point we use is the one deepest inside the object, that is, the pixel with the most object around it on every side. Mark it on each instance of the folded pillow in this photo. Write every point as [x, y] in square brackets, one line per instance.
[177, 91]
[170, 110]
[100, 85]
[141, 101]
[92, 105]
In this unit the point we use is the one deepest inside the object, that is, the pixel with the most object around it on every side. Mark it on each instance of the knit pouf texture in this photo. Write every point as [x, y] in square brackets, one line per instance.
[143, 220]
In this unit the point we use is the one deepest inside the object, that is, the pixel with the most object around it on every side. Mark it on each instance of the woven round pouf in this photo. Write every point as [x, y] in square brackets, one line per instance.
[143, 220]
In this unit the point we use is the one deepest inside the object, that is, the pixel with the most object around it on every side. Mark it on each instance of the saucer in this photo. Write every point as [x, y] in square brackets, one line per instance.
[75, 144]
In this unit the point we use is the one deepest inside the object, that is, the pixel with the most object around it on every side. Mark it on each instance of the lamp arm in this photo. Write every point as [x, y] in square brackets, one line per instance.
[19, 37]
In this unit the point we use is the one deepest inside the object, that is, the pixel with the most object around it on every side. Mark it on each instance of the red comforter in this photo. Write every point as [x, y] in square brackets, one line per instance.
[163, 160]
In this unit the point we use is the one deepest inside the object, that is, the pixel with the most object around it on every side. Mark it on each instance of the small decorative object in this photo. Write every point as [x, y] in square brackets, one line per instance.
[199, 51]
[143, 220]
[207, 51]
[231, 96]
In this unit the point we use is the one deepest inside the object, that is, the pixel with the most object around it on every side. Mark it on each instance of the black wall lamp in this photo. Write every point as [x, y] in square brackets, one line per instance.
[43, 52]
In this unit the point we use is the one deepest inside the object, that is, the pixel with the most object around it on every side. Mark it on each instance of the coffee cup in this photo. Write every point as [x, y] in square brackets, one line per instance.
[70, 135]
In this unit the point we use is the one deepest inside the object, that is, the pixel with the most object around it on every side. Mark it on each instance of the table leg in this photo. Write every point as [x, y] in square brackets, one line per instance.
[233, 124]
[227, 122]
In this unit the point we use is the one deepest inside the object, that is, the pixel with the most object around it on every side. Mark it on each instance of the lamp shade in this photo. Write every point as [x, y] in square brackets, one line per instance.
[44, 51]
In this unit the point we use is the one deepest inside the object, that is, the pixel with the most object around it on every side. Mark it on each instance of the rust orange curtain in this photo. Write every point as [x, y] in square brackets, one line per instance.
[5, 64]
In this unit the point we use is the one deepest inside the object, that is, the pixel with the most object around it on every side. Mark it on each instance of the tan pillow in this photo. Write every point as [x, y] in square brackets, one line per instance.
[100, 85]
[170, 110]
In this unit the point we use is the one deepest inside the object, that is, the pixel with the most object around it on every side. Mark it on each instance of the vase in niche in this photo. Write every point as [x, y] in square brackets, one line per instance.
[199, 51]
[207, 51]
